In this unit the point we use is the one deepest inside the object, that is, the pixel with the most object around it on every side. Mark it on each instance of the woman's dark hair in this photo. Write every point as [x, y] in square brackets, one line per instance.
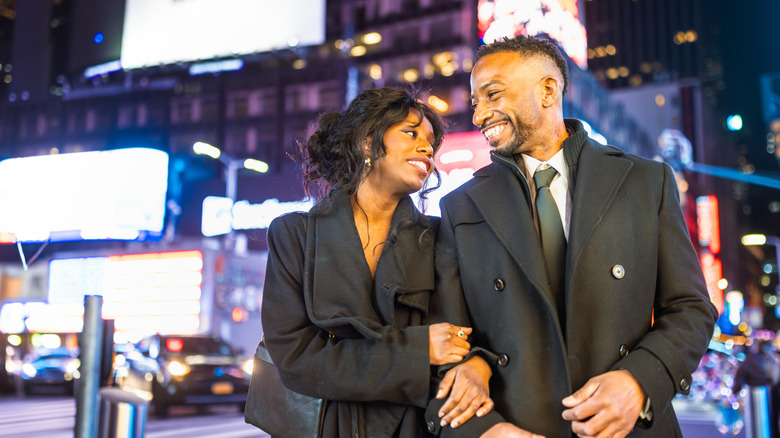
[335, 153]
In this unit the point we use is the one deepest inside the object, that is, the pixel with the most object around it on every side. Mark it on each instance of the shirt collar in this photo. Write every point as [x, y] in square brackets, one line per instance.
[557, 161]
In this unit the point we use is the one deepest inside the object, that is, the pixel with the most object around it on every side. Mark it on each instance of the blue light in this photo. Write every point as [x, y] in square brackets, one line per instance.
[98, 38]
[734, 122]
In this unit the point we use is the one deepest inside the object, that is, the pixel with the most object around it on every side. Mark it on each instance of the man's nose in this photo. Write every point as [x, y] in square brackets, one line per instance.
[480, 115]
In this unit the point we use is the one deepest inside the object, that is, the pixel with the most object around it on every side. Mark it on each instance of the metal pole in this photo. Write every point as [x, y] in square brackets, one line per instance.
[90, 353]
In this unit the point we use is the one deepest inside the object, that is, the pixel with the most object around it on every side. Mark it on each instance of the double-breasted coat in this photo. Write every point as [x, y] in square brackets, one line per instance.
[335, 332]
[635, 294]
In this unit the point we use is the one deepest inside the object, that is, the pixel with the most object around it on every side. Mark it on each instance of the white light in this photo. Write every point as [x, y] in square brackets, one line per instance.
[177, 368]
[202, 148]
[754, 239]
[248, 366]
[256, 165]
[216, 66]
[456, 156]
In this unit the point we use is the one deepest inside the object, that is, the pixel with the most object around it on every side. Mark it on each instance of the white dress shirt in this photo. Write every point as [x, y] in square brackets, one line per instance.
[559, 187]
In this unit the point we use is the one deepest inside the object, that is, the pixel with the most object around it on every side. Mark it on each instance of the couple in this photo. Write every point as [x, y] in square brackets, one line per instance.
[593, 341]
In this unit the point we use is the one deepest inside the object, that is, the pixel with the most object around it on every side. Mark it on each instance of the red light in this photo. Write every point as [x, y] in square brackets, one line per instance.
[174, 344]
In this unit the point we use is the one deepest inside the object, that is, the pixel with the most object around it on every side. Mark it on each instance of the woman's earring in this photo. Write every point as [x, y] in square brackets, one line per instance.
[368, 161]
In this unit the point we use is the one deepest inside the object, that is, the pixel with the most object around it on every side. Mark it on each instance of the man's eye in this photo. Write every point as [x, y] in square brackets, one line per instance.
[492, 95]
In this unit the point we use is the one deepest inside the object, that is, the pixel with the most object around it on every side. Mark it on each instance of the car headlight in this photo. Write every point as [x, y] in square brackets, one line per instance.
[247, 367]
[177, 368]
[29, 371]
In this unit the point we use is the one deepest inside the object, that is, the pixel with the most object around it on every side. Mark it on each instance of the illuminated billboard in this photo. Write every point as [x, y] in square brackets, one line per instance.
[558, 19]
[117, 194]
[142, 293]
[166, 32]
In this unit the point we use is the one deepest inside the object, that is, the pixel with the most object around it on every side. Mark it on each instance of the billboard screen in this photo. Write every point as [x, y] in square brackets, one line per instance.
[116, 194]
[557, 19]
[160, 32]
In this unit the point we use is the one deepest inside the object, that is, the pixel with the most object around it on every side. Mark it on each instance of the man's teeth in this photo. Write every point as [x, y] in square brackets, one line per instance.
[419, 165]
[494, 131]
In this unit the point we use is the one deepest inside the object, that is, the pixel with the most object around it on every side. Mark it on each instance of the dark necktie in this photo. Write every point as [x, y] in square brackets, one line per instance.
[551, 233]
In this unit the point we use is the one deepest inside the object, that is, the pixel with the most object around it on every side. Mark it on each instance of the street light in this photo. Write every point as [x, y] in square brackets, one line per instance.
[231, 165]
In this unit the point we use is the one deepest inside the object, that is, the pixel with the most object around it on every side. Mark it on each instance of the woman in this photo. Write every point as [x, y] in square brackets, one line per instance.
[347, 284]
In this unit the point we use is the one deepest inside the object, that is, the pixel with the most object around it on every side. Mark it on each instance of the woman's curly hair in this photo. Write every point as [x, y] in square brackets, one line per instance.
[335, 153]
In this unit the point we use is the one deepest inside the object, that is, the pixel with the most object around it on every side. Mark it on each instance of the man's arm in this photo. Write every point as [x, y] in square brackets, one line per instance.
[662, 362]
[448, 304]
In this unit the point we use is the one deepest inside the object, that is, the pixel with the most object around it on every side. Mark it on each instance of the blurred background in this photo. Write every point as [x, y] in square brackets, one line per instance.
[145, 146]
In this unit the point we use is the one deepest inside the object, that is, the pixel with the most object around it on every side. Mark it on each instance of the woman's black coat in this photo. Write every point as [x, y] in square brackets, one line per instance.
[335, 333]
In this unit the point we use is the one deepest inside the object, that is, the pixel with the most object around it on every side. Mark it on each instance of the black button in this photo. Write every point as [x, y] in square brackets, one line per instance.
[498, 284]
[431, 426]
[503, 360]
[623, 350]
[685, 385]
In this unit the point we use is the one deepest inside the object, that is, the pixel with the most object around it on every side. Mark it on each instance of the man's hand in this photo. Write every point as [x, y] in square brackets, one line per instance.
[508, 430]
[469, 389]
[607, 406]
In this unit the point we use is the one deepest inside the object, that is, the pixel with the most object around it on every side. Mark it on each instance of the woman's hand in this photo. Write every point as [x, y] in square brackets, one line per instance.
[448, 343]
[468, 386]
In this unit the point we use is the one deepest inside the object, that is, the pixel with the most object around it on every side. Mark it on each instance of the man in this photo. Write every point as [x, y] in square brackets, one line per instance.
[595, 340]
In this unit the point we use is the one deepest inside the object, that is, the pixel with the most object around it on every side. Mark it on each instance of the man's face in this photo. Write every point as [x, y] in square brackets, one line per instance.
[506, 99]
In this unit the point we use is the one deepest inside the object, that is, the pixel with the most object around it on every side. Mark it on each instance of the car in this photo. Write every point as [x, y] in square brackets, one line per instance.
[50, 370]
[171, 370]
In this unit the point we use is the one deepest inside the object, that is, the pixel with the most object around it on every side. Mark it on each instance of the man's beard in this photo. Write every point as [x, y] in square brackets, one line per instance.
[515, 145]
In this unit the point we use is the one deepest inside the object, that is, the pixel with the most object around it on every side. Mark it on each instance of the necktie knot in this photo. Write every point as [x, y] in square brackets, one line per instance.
[543, 178]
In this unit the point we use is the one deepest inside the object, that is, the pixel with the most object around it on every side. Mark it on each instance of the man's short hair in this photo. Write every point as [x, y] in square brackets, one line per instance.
[529, 46]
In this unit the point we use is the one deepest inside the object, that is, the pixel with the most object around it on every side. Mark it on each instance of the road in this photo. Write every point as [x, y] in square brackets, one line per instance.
[54, 417]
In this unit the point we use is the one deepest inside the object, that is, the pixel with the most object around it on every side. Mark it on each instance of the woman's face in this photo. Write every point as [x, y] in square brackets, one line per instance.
[409, 156]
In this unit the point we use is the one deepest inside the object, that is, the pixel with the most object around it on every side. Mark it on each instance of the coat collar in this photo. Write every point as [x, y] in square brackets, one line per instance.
[339, 291]
[596, 174]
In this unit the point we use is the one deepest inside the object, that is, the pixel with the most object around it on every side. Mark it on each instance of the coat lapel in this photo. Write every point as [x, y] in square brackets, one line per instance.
[498, 196]
[601, 172]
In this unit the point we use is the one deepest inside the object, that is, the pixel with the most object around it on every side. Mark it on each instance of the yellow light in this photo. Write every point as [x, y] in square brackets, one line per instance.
[660, 100]
[611, 50]
[623, 72]
[248, 366]
[753, 239]
[591, 53]
[256, 165]
[723, 284]
[372, 38]
[202, 148]
[411, 75]
[375, 72]
[438, 103]
[448, 70]
[691, 36]
[612, 73]
[15, 340]
[298, 64]
[357, 51]
[177, 368]
[601, 52]
[742, 326]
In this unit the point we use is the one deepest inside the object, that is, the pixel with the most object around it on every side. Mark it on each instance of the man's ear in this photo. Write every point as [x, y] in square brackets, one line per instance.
[551, 91]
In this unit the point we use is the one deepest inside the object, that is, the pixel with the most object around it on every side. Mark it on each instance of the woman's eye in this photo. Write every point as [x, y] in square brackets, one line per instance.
[413, 134]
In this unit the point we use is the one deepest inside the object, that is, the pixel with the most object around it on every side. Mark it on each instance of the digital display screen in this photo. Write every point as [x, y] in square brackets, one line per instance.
[107, 195]
[158, 32]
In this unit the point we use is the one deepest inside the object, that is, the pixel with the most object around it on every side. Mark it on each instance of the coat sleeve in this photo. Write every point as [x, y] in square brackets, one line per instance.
[448, 304]
[394, 368]
[684, 317]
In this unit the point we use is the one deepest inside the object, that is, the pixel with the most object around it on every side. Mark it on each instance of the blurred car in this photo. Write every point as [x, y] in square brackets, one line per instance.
[179, 370]
[50, 370]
